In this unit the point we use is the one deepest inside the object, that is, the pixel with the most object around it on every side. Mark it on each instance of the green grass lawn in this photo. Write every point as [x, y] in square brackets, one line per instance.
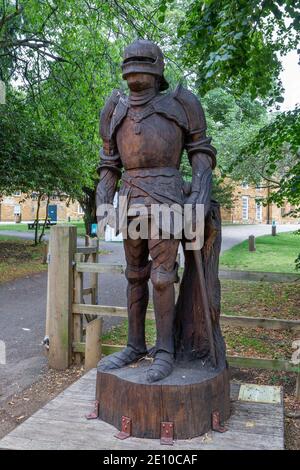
[23, 227]
[273, 254]
[19, 258]
[248, 342]
[247, 298]
[261, 299]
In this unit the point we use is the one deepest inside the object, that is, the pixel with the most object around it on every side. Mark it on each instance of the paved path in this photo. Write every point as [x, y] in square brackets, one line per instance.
[23, 306]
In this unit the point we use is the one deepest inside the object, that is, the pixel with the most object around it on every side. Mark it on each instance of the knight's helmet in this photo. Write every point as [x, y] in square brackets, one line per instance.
[143, 56]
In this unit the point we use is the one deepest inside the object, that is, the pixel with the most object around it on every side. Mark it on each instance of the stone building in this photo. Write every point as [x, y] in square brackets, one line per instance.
[247, 208]
[60, 208]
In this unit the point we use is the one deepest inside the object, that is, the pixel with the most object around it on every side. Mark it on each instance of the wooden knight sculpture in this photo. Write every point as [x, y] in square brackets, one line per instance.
[144, 136]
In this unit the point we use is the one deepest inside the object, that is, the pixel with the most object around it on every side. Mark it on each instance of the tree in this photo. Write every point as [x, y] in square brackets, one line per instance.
[68, 61]
[236, 43]
[273, 157]
[38, 158]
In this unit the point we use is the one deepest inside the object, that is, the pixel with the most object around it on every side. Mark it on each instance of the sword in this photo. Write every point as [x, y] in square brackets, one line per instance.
[207, 316]
[199, 266]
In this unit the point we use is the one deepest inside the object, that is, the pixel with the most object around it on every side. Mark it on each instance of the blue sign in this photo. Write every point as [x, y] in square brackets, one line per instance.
[94, 229]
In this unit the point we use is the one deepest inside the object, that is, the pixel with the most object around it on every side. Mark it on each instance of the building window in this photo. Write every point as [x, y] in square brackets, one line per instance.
[245, 185]
[245, 205]
[17, 209]
[258, 187]
[258, 207]
[80, 210]
[17, 193]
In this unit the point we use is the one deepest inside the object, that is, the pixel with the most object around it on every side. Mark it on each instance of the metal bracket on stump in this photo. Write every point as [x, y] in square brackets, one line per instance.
[216, 425]
[126, 425]
[95, 413]
[167, 433]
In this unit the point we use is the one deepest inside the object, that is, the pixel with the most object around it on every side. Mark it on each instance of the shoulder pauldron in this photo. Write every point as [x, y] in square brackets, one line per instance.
[180, 106]
[167, 106]
[112, 114]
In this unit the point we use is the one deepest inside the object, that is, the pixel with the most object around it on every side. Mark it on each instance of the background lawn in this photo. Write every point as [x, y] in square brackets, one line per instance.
[19, 258]
[247, 298]
[24, 228]
[273, 254]
[247, 342]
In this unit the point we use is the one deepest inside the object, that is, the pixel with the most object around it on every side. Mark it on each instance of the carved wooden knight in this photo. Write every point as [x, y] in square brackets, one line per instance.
[144, 136]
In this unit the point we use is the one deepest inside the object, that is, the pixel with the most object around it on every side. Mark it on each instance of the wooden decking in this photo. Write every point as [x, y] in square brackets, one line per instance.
[61, 424]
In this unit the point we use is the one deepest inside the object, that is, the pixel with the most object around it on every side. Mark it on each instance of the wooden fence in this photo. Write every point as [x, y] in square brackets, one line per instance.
[74, 326]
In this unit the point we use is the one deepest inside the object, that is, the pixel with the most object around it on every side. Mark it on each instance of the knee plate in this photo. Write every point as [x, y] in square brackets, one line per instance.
[162, 278]
[136, 274]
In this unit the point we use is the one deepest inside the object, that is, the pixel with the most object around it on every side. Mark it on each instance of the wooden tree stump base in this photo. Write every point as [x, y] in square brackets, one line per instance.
[187, 399]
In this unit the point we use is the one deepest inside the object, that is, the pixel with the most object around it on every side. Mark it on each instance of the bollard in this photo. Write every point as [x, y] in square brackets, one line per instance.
[251, 242]
[273, 228]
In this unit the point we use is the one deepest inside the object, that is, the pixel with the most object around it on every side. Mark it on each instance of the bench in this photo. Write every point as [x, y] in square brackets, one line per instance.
[49, 223]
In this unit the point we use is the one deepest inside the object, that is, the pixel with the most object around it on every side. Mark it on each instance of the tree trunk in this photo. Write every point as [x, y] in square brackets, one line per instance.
[88, 203]
[36, 229]
[45, 220]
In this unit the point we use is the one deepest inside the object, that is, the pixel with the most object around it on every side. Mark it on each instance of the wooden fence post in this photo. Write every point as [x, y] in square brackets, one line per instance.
[62, 247]
[94, 276]
[93, 343]
[78, 298]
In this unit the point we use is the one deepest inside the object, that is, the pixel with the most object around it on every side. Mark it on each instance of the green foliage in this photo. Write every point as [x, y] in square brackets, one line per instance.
[36, 157]
[236, 43]
[66, 59]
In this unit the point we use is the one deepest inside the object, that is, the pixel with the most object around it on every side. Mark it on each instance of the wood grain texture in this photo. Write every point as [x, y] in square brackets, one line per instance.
[93, 343]
[187, 398]
[61, 424]
[62, 247]
[228, 320]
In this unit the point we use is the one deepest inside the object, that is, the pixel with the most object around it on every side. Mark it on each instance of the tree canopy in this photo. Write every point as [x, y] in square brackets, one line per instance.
[63, 58]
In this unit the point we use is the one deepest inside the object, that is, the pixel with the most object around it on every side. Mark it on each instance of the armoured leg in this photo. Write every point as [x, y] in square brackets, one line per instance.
[163, 276]
[137, 274]
[137, 302]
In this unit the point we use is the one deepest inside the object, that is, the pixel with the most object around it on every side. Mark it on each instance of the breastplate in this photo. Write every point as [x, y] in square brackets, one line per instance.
[149, 140]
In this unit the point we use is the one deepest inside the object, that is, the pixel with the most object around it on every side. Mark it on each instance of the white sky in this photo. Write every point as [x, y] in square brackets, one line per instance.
[290, 77]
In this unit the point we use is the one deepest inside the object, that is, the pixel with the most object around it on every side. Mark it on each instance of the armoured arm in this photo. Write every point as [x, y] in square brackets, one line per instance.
[109, 169]
[202, 155]
[201, 180]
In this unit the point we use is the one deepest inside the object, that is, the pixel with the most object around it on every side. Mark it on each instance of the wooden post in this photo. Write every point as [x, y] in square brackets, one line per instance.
[297, 394]
[94, 276]
[78, 299]
[62, 248]
[47, 327]
[273, 230]
[251, 242]
[93, 343]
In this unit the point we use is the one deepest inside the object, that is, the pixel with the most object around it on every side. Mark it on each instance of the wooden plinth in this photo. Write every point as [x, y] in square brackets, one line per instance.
[187, 398]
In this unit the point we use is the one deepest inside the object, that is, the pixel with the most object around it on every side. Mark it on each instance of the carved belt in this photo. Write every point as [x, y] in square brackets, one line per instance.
[153, 182]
